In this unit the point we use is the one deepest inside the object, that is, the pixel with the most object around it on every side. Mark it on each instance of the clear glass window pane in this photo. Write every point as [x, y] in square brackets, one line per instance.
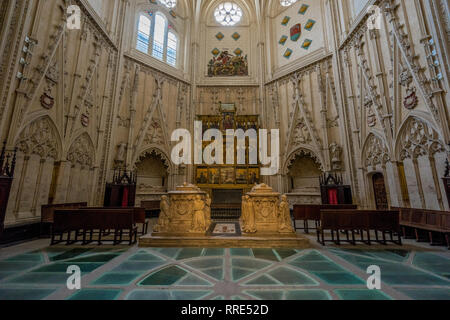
[143, 38]
[158, 37]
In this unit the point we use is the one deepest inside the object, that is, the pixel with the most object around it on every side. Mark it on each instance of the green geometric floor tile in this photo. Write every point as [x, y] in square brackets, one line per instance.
[96, 294]
[188, 253]
[237, 298]
[31, 257]
[167, 295]
[394, 255]
[193, 280]
[339, 278]
[239, 273]
[265, 254]
[148, 295]
[249, 263]
[216, 273]
[426, 294]
[214, 252]
[169, 252]
[361, 294]
[16, 266]
[265, 294]
[41, 279]
[311, 256]
[319, 266]
[433, 263]
[164, 277]
[205, 263]
[422, 279]
[145, 256]
[263, 280]
[62, 267]
[25, 294]
[120, 279]
[189, 295]
[307, 295]
[288, 276]
[241, 252]
[95, 258]
[63, 255]
[136, 266]
[285, 253]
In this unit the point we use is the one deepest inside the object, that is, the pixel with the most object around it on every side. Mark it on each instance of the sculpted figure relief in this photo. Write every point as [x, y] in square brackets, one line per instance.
[248, 215]
[207, 211]
[198, 220]
[164, 216]
[284, 216]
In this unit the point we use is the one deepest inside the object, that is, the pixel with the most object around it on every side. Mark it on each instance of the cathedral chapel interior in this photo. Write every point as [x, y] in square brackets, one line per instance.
[348, 99]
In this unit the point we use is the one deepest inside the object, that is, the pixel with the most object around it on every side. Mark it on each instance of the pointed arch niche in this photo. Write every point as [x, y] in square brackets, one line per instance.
[39, 148]
[302, 171]
[154, 177]
[422, 154]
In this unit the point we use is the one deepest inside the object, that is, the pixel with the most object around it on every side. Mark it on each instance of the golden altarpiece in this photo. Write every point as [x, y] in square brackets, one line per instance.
[227, 183]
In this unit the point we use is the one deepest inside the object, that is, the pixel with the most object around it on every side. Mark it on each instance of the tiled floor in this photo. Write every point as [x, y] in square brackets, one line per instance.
[135, 273]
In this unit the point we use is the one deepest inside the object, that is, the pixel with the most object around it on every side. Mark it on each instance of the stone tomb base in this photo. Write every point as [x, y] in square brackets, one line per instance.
[247, 241]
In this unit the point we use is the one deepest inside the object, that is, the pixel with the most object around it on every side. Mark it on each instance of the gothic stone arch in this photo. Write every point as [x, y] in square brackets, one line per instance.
[305, 152]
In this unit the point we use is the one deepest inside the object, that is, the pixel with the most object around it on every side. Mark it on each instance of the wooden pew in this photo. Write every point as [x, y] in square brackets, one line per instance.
[430, 222]
[66, 221]
[47, 212]
[311, 212]
[359, 220]
[83, 221]
[139, 215]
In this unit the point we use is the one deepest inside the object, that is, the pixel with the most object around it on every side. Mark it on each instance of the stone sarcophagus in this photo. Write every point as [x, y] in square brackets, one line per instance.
[187, 210]
[263, 213]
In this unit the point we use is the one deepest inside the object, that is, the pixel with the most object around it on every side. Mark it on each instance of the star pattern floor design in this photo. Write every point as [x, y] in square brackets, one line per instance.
[110, 273]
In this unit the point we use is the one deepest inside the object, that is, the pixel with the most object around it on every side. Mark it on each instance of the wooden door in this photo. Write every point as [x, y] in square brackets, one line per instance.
[380, 193]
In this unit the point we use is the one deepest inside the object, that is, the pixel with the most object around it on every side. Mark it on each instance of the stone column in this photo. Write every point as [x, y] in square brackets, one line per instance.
[38, 186]
[419, 182]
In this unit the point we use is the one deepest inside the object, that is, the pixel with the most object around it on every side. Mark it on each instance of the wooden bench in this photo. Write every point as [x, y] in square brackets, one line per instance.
[359, 221]
[86, 221]
[139, 215]
[311, 212]
[47, 213]
[428, 222]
